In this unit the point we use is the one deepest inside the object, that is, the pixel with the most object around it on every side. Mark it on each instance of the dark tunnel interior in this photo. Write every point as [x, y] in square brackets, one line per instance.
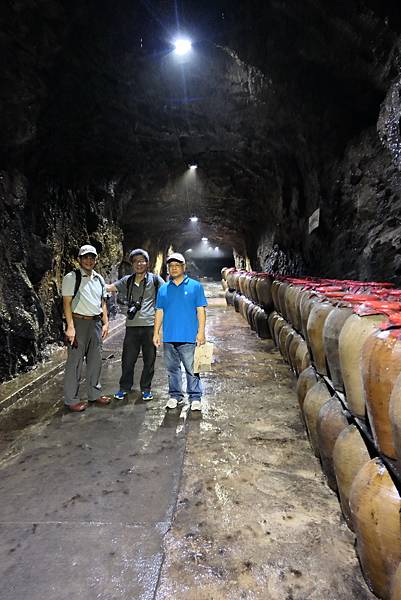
[289, 110]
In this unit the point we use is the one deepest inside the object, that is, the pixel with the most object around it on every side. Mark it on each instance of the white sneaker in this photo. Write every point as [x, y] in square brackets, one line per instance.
[171, 403]
[196, 405]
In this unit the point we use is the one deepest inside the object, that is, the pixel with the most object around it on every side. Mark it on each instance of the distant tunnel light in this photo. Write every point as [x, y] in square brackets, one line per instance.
[182, 46]
[194, 219]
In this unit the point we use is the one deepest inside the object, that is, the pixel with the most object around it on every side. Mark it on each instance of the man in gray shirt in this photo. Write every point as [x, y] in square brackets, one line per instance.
[140, 289]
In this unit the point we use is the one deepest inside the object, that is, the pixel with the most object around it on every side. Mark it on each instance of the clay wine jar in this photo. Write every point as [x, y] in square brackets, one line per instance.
[282, 339]
[395, 418]
[252, 288]
[381, 366]
[306, 380]
[275, 288]
[316, 320]
[316, 397]
[349, 455]
[331, 333]
[272, 318]
[354, 332]
[278, 325]
[308, 299]
[292, 351]
[291, 299]
[264, 291]
[396, 585]
[282, 290]
[302, 357]
[261, 323]
[375, 507]
[330, 423]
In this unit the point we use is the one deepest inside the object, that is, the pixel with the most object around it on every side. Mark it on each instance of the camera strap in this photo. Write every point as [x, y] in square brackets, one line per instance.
[131, 283]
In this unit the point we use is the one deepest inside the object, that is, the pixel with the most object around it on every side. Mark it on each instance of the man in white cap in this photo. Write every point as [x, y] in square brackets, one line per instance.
[140, 289]
[180, 307]
[85, 311]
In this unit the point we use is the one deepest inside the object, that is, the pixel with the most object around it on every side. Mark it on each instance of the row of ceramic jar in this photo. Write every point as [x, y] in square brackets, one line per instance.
[355, 340]
[369, 498]
[257, 287]
[254, 314]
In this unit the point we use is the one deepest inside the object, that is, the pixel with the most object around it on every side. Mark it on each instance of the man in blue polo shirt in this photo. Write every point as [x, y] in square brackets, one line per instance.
[180, 307]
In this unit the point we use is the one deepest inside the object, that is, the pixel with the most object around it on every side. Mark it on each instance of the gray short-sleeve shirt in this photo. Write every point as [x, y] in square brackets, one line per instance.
[91, 292]
[146, 316]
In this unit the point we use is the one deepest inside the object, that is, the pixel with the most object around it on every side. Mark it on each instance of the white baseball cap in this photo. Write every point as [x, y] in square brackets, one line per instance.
[177, 257]
[87, 249]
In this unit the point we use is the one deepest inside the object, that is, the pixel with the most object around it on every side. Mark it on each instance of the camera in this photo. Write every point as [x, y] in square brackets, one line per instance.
[133, 309]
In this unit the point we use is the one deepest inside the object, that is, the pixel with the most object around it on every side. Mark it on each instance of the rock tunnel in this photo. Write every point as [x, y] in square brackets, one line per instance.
[272, 145]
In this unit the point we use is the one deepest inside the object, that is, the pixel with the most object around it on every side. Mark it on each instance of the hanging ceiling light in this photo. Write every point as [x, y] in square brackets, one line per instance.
[182, 46]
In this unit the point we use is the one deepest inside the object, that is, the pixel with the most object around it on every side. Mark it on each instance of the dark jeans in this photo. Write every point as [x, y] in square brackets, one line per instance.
[174, 356]
[136, 339]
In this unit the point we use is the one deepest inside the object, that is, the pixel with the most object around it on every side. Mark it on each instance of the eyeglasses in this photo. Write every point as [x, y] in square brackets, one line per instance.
[139, 262]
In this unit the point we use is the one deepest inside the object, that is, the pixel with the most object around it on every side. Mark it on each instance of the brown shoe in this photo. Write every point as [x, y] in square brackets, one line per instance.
[78, 407]
[103, 400]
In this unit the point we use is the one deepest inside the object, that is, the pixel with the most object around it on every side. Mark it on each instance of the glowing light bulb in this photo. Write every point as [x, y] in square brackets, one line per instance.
[193, 167]
[182, 46]
[204, 240]
[194, 219]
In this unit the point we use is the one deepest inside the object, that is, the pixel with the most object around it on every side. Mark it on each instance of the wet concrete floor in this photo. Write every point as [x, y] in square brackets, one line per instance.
[128, 502]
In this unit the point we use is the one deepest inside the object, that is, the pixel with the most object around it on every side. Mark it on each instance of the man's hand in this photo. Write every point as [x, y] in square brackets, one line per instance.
[200, 339]
[70, 334]
[105, 331]
[156, 340]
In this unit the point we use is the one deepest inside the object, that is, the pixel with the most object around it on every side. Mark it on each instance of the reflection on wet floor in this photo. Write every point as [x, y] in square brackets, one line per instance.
[128, 502]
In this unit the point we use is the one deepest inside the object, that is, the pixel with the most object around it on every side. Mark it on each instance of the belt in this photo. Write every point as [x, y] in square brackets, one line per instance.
[87, 317]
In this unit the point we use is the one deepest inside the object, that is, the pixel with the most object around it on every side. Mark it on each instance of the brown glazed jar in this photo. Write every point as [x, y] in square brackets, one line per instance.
[356, 329]
[316, 397]
[396, 585]
[264, 291]
[308, 299]
[241, 282]
[272, 321]
[316, 320]
[381, 366]
[282, 290]
[395, 418]
[291, 304]
[275, 288]
[279, 324]
[306, 380]
[230, 278]
[252, 287]
[286, 331]
[302, 357]
[375, 507]
[292, 351]
[331, 421]
[349, 455]
[288, 341]
[331, 333]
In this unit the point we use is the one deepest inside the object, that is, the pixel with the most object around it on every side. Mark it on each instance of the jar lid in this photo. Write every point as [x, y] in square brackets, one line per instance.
[329, 288]
[361, 298]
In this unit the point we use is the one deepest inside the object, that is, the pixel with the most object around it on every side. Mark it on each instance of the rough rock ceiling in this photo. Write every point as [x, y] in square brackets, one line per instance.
[272, 92]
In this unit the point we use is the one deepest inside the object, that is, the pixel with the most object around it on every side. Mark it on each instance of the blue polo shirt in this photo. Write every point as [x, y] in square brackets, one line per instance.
[179, 304]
